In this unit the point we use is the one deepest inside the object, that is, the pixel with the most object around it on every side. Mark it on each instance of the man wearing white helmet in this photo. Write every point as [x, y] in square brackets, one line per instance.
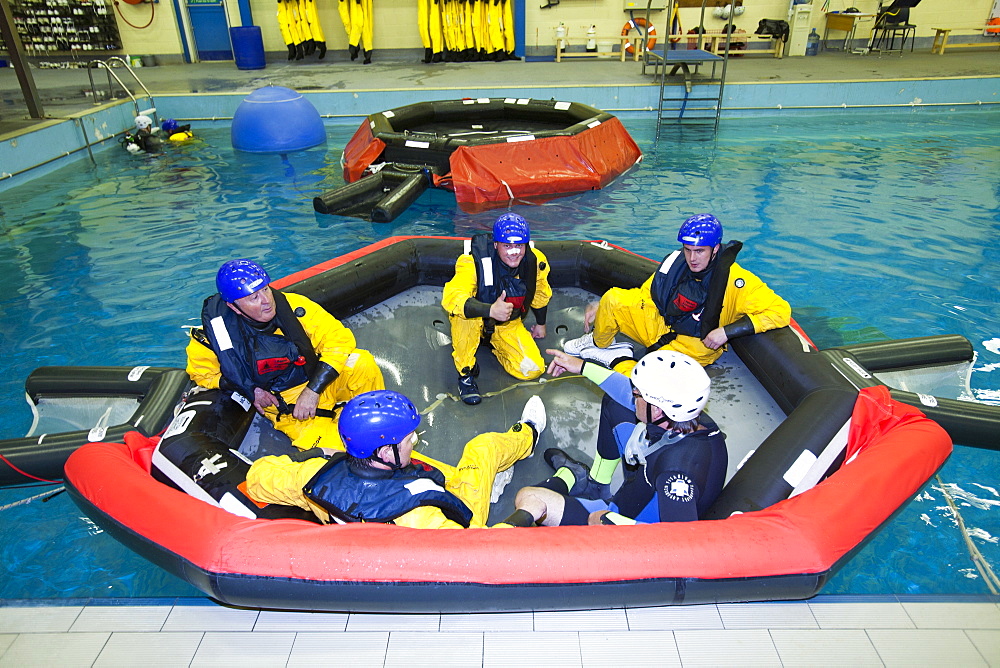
[143, 138]
[675, 455]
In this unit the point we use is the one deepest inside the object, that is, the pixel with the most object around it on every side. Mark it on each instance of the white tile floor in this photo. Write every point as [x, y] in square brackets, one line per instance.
[826, 631]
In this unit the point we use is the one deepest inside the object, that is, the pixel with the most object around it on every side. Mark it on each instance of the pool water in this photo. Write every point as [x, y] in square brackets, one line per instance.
[872, 227]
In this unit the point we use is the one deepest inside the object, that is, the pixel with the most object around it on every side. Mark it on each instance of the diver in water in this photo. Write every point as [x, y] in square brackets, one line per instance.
[176, 132]
[143, 138]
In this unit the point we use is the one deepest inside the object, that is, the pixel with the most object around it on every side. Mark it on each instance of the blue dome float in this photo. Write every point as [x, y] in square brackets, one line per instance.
[275, 119]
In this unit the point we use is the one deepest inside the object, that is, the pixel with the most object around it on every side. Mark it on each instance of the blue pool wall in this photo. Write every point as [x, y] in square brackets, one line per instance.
[55, 145]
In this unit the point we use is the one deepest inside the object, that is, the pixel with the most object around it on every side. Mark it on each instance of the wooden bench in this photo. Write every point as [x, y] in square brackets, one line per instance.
[717, 44]
[941, 43]
[621, 53]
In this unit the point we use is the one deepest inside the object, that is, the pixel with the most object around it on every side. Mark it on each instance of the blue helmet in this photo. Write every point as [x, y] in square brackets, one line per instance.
[702, 229]
[169, 126]
[240, 278]
[511, 228]
[373, 419]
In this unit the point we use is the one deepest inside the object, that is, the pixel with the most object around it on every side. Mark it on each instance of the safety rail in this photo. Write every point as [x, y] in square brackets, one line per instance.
[106, 64]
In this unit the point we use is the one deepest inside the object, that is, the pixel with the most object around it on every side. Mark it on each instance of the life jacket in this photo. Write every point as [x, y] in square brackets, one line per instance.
[250, 357]
[376, 495]
[493, 276]
[691, 305]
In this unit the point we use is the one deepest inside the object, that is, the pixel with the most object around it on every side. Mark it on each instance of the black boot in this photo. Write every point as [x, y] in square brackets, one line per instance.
[310, 47]
[468, 388]
[585, 487]
[368, 57]
[353, 50]
[291, 51]
[300, 52]
[427, 56]
[322, 50]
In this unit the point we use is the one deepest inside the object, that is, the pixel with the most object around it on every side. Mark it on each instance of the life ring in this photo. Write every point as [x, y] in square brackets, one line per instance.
[638, 24]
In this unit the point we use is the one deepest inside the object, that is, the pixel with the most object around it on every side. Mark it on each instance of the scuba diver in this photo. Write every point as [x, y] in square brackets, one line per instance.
[175, 132]
[143, 137]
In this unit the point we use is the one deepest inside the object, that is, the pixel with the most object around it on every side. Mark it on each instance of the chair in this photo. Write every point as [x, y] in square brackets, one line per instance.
[893, 21]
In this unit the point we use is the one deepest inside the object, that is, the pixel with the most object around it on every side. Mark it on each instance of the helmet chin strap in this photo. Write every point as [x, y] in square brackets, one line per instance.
[649, 416]
[395, 466]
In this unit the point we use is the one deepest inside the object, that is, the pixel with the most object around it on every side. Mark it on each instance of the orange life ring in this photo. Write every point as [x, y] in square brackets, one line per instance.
[638, 24]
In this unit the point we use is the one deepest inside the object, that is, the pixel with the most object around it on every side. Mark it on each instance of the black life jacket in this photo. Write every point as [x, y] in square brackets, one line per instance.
[351, 494]
[493, 276]
[257, 357]
[691, 305]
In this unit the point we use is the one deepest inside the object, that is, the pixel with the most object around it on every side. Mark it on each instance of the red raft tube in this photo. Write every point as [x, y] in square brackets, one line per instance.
[843, 461]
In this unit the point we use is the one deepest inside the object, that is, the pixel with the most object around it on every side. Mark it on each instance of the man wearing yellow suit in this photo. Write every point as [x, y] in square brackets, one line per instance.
[497, 280]
[696, 302]
[280, 353]
[381, 479]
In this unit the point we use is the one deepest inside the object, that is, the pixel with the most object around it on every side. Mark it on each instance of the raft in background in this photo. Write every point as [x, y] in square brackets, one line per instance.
[77, 405]
[488, 151]
[820, 485]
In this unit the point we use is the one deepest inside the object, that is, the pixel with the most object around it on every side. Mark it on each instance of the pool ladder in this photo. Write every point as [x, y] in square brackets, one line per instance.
[106, 65]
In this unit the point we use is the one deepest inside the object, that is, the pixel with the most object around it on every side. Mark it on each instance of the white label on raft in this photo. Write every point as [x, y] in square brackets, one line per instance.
[468, 101]
[417, 144]
[97, 434]
[476, 126]
[593, 124]
[509, 100]
[388, 114]
[928, 400]
[524, 100]
[563, 106]
[179, 424]
[232, 504]
[511, 140]
[483, 100]
[136, 373]
[856, 367]
[241, 400]
[797, 471]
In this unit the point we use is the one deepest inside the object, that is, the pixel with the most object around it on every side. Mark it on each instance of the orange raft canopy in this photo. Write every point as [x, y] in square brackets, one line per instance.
[767, 537]
[489, 151]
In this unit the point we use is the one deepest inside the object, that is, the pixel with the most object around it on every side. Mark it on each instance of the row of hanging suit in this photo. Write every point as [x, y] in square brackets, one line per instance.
[450, 30]
[466, 30]
[298, 21]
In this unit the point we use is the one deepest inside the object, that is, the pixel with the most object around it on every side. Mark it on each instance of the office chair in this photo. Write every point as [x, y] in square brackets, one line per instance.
[893, 21]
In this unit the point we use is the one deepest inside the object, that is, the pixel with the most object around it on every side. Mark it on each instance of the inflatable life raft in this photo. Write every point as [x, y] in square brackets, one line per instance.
[845, 458]
[76, 405]
[488, 151]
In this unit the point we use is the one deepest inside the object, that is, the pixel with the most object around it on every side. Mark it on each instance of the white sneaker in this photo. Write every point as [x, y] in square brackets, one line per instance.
[574, 346]
[534, 413]
[606, 356]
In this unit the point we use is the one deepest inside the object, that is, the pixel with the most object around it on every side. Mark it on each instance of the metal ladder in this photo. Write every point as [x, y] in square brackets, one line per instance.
[106, 66]
[701, 98]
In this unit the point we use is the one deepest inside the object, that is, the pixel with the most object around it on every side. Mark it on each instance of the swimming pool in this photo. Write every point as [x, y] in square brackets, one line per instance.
[871, 226]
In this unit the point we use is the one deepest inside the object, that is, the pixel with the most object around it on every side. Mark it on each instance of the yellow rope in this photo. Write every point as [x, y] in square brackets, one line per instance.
[525, 383]
[984, 568]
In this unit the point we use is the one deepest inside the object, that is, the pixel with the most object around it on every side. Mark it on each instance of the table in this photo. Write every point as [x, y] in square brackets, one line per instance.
[682, 61]
[847, 23]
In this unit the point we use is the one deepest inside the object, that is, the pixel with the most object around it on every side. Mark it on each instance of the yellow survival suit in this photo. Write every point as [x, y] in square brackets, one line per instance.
[512, 343]
[634, 313]
[334, 344]
[280, 479]
[298, 21]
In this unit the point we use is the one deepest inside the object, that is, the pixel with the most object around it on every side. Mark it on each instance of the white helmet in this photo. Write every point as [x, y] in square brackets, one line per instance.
[143, 122]
[674, 383]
